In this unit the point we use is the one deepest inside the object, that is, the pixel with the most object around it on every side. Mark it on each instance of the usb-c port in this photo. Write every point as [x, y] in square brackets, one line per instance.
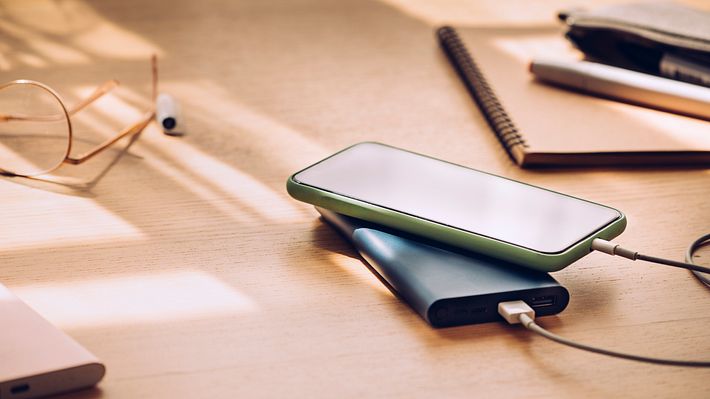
[542, 301]
[18, 389]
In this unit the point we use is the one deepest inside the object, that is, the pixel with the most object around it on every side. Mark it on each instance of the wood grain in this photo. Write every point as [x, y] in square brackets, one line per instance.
[185, 266]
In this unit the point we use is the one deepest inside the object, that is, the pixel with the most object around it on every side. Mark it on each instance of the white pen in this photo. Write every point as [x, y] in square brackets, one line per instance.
[167, 113]
[626, 85]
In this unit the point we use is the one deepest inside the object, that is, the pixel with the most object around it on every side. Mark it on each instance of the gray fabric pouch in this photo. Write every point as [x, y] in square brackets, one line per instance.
[659, 38]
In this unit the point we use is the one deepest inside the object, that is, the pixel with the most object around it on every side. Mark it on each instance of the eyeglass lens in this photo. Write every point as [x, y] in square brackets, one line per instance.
[34, 131]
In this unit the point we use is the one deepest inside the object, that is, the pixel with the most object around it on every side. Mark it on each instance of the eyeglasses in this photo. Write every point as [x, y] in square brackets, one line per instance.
[36, 128]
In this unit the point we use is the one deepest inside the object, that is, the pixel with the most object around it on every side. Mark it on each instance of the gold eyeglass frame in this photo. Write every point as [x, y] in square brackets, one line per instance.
[100, 91]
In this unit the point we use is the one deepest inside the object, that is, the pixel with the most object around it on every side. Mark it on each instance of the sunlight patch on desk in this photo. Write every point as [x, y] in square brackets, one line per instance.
[90, 32]
[200, 174]
[228, 180]
[57, 221]
[665, 126]
[18, 159]
[49, 17]
[221, 180]
[111, 41]
[203, 174]
[197, 187]
[356, 268]
[31, 60]
[135, 299]
[263, 133]
[45, 48]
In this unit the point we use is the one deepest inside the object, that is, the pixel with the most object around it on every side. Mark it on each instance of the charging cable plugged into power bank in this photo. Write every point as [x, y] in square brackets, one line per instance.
[448, 287]
[515, 312]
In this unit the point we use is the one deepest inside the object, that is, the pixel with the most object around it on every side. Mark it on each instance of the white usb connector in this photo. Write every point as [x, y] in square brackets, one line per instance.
[613, 248]
[512, 311]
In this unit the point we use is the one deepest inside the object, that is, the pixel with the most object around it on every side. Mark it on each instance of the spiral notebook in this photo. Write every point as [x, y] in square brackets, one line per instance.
[540, 125]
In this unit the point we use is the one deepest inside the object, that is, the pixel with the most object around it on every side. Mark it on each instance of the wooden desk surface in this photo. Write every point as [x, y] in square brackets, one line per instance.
[185, 266]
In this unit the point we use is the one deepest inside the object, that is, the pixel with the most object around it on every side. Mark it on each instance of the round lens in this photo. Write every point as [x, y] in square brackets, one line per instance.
[34, 129]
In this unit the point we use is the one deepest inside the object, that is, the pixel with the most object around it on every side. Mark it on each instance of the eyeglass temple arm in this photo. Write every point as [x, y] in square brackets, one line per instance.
[129, 131]
[98, 93]
[132, 130]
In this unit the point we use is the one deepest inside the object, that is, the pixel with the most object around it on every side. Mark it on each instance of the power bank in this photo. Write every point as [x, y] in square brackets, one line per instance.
[37, 359]
[445, 286]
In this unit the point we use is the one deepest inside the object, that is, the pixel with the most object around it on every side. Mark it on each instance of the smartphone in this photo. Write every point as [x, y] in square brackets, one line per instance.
[466, 208]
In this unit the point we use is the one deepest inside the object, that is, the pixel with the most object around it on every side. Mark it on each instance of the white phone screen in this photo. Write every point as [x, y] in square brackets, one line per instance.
[458, 197]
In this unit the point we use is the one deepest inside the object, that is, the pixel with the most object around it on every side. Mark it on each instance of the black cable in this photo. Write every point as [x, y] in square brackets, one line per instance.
[668, 262]
[696, 245]
[612, 248]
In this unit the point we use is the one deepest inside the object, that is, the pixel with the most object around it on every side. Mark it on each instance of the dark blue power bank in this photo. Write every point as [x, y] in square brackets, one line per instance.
[445, 286]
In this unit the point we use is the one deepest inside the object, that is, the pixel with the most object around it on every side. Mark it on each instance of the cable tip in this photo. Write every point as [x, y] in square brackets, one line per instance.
[605, 246]
[613, 248]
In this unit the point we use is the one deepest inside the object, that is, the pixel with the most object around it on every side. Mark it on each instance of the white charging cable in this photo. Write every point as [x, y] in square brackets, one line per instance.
[515, 312]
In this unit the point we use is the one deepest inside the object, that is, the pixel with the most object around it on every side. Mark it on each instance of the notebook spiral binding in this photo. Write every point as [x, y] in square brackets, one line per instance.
[485, 97]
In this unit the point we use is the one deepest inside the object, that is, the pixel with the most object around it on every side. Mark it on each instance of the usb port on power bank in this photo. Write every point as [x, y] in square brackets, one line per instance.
[18, 389]
[542, 301]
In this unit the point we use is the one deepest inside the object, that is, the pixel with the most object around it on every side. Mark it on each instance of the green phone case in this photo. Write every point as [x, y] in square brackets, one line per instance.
[548, 262]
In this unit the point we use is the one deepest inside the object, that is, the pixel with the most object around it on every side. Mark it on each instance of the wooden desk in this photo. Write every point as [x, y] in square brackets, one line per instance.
[188, 269]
